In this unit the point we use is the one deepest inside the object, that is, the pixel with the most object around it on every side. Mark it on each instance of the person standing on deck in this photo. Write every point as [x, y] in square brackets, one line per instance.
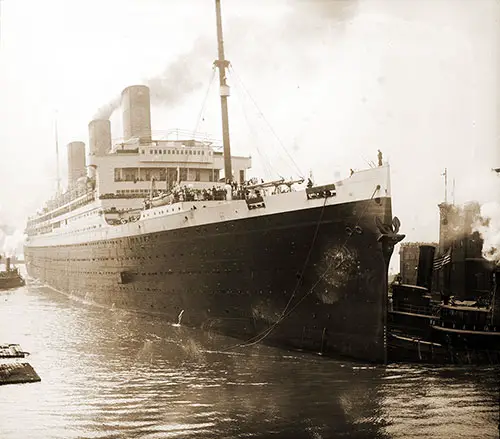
[379, 157]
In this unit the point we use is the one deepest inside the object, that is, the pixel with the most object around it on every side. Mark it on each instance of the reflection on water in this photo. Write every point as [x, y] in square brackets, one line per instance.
[108, 373]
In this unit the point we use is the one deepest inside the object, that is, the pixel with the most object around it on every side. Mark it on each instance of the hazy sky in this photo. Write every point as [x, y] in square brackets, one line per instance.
[335, 80]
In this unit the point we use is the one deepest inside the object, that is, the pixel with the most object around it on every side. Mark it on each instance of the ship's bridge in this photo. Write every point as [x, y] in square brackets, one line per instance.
[178, 151]
[128, 169]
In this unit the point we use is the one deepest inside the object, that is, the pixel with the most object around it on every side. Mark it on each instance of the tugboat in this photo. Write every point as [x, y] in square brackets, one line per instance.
[464, 325]
[471, 327]
[447, 331]
[411, 311]
[10, 277]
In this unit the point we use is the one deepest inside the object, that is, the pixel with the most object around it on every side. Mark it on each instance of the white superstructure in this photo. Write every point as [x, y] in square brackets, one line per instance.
[109, 202]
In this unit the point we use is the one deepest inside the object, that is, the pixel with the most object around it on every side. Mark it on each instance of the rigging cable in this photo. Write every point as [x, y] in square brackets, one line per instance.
[200, 115]
[300, 173]
[259, 337]
[299, 279]
[266, 163]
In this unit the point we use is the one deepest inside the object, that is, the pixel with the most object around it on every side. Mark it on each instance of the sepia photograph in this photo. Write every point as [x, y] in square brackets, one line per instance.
[250, 219]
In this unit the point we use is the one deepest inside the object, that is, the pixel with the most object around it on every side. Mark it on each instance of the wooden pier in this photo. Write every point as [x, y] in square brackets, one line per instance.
[13, 371]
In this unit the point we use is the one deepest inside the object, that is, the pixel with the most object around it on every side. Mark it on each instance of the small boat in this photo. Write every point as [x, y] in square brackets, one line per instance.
[12, 351]
[10, 277]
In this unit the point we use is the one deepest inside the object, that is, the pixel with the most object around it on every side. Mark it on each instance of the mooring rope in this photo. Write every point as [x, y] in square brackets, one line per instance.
[285, 313]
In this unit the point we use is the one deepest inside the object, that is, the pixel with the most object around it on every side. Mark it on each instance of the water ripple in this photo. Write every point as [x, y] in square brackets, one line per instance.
[111, 374]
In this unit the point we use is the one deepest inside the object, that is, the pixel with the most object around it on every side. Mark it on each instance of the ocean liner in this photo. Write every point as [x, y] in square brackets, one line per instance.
[148, 225]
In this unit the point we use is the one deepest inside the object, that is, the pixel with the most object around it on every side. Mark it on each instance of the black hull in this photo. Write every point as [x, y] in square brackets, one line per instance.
[423, 338]
[467, 339]
[317, 277]
[408, 348]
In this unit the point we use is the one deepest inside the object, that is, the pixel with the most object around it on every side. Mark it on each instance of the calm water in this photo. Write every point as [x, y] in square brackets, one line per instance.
[112, 374]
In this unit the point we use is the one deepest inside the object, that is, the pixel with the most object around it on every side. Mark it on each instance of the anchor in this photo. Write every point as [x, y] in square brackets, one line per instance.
[389, 237]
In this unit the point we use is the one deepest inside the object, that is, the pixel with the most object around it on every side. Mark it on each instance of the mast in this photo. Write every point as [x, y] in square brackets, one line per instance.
[445, 173]
[222, 64]
[58, 177]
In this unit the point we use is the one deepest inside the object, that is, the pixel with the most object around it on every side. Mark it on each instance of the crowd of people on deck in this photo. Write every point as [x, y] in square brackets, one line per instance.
[249, 190]
[238, 191]
[186, 193]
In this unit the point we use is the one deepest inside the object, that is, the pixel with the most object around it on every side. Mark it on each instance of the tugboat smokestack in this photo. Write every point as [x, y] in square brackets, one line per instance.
[425, 262]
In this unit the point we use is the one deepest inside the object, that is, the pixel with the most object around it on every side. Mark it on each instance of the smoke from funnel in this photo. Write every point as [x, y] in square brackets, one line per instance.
[12, 245]
[181, 77]
[11, 241]
[187, 73]
[489, 229]
[11, 238]
[107, 110]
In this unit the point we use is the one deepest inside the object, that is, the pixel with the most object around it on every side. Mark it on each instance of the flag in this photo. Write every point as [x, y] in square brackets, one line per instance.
[442, 260]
